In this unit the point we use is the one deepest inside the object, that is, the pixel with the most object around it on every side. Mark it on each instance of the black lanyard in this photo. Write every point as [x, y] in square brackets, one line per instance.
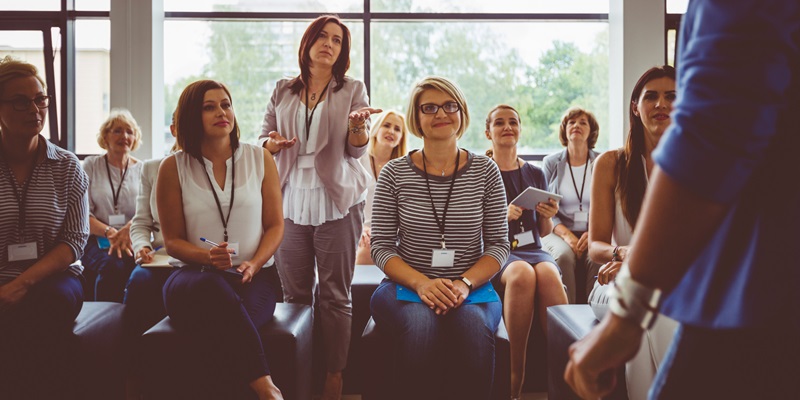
[449, 193]
[374, 171]
[114, 193]
[309, 118]
[575, 185]
[216, 198]
[21, 197]
[519, 169]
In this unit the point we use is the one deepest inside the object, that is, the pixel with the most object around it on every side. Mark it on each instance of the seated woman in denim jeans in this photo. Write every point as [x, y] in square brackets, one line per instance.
[220, 208]
[439, 232]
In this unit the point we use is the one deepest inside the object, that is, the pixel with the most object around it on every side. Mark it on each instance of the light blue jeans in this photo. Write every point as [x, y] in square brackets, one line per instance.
[455, 350]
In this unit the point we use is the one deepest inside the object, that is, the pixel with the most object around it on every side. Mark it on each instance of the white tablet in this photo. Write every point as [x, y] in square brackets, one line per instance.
[532, 196]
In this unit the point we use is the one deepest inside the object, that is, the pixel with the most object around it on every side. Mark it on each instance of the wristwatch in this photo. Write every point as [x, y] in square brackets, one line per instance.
[105, 232]
[466, 281]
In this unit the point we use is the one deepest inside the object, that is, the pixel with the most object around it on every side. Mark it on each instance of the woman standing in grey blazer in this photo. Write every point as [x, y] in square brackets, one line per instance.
[316, 127]
[568, 243]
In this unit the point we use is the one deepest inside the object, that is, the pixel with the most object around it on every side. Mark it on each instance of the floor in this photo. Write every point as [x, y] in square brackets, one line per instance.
[525, 396]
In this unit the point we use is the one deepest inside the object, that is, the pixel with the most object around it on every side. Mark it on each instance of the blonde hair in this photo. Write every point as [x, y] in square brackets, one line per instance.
[443, 85]
[119, 115]
[401, 148]
[11, 68]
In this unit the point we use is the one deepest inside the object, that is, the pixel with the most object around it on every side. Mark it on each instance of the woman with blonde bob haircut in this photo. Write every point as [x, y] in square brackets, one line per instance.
[439, 232]
[43, 229]
[114, 179]
[387, 141]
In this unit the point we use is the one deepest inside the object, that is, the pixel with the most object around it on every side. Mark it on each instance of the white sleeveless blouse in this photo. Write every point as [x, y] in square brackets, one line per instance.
[200, 209]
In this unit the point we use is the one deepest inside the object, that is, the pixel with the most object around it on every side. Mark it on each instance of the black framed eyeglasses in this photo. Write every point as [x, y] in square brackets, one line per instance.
[22, 103]
[449, 107]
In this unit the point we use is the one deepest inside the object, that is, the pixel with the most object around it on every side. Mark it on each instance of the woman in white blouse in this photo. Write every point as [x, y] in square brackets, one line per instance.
[113, 187]
[220, 208]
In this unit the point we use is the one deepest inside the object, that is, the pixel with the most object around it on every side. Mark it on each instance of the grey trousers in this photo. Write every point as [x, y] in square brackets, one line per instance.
[577, 273]
[331, 248]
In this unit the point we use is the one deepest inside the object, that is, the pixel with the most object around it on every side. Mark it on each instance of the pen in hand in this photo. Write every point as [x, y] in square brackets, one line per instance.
[202, 239]
[148, 255]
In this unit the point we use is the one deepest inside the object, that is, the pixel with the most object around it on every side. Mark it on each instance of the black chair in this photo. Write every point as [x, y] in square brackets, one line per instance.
[102, 362]
[567, 324]
[171, 370]
[378, 364]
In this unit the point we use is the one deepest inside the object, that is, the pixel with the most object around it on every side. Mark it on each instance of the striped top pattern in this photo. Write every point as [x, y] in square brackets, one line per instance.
[403, 223]
[56, 210]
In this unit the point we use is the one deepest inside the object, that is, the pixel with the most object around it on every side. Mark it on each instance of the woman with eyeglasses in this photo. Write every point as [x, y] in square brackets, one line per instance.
[439, 232]
[113, 187]
[44, 225]
[530, 280]
[316, 127]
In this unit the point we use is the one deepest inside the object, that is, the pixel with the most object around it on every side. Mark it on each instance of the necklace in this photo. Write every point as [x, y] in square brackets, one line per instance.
[444, 167]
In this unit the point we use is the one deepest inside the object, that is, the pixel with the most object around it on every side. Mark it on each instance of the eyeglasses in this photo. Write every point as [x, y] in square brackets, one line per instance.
[449, 107]
[23, 103]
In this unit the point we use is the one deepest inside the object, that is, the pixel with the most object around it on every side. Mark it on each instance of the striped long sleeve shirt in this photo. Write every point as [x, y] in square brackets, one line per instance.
[56, 210]
[404, 225]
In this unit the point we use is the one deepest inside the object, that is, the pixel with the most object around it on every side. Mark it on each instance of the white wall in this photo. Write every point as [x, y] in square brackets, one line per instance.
[137, 68]
[636, 43]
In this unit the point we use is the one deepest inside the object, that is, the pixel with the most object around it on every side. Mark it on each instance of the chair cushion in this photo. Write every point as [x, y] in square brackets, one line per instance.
[567, 324]
[100, 337]
[377, 353]
[171, 367]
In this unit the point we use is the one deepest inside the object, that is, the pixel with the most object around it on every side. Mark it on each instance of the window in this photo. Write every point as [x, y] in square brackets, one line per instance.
[92, 82]
[498, 63]
[543, 62]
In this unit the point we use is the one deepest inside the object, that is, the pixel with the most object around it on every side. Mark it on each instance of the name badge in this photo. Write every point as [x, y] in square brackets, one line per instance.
[581, 216]
[305, 161]
[235, 247]
[22, 252]
[443, 258]
[524, 238]
[116, 220]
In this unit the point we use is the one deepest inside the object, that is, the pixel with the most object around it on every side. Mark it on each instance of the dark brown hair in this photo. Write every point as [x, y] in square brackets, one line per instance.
[189, 120]
[576, 112]
[630, 170]
[310, 37]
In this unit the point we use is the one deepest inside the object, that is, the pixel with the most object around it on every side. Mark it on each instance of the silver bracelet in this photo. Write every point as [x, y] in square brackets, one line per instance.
[633, 301]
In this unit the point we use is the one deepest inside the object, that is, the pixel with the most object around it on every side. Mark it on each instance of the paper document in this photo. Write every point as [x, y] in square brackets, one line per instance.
[159, 261]
[483, 294]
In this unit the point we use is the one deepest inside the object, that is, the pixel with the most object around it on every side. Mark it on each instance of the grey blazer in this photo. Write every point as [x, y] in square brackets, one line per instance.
[335, 160]
[145, 220]
[555, 168]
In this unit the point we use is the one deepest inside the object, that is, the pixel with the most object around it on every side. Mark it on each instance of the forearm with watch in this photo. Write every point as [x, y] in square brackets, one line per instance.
[478, 274]
[99, 228]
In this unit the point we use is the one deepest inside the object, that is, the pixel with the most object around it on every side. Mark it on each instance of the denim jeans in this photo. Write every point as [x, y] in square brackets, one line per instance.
[222, 316]
[455, 350]
[706, 363]
[38, 351]
[112, 272]
[144, 302]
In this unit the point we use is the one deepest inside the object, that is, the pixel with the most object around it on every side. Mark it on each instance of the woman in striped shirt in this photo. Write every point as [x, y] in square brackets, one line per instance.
[44, 225]
[439, 232]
